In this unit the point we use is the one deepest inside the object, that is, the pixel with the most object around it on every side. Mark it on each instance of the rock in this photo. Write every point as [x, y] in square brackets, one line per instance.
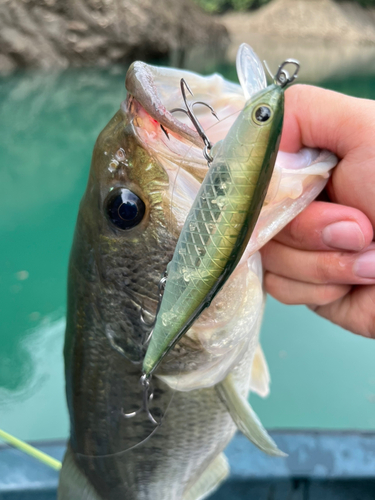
[61, 33]
[308, 20]
[331, 40]
[7, 64]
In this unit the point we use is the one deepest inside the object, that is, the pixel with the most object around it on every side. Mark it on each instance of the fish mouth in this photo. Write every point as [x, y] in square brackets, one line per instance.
[158, 91]
[142, 86]
[151, 93]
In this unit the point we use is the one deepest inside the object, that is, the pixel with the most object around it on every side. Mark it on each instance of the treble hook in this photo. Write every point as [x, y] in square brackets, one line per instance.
[282, 76]
[190, 112]
[145, 381]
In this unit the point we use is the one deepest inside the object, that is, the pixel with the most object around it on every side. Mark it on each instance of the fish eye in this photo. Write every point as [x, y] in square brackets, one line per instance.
[124, 208]
[262, 114]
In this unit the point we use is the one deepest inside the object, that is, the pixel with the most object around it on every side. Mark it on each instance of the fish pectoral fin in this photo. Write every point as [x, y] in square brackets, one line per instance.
[245, 418]
[260, 375]
[209, 480]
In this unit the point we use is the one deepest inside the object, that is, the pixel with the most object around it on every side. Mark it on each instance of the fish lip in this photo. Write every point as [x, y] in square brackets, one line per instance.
[139, 83]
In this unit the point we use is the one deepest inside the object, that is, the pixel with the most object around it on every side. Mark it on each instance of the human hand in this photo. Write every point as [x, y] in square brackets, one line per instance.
[325, 257]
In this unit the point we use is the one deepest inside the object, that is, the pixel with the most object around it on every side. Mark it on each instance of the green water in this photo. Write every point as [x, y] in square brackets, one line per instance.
[322, 376]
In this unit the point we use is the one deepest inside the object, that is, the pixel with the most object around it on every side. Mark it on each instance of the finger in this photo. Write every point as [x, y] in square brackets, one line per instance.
[354, 312]
[294, 292]
[320, 267]
[327, 226]
[321, 118]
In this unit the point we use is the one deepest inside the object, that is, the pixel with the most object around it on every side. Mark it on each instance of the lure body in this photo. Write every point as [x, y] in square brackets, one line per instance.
[221, 220]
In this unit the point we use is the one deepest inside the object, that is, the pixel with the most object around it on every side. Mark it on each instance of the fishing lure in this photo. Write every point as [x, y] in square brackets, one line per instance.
[223, 215]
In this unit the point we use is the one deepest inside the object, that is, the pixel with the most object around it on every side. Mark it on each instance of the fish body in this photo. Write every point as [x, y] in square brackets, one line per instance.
[140, 189]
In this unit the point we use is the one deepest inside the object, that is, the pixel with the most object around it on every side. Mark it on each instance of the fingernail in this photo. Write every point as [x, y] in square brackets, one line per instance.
[345, 235]
[364, 266]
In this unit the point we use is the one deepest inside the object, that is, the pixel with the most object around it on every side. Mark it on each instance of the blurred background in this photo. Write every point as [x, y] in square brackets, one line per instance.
[62, 67]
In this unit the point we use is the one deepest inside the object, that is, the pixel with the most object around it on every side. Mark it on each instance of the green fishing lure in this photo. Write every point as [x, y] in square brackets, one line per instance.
[222, 217]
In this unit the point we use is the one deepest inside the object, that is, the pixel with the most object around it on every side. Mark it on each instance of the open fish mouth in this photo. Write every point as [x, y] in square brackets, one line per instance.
[152, 92]
[157, 90]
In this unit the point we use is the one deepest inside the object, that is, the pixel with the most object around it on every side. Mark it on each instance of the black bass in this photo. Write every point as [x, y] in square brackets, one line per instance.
[140, 189]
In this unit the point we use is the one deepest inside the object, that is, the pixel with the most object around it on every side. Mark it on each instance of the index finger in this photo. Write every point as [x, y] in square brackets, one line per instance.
[345, 125]
[320, 118]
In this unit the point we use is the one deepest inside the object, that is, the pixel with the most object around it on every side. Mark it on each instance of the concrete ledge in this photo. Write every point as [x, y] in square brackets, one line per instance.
[318, 462]
[312, 455]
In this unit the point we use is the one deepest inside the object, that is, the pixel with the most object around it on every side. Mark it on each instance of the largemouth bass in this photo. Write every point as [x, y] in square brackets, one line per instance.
[140, 189]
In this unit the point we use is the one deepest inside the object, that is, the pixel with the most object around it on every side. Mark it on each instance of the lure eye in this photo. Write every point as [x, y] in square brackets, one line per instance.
[125, 209]
[262, 114]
